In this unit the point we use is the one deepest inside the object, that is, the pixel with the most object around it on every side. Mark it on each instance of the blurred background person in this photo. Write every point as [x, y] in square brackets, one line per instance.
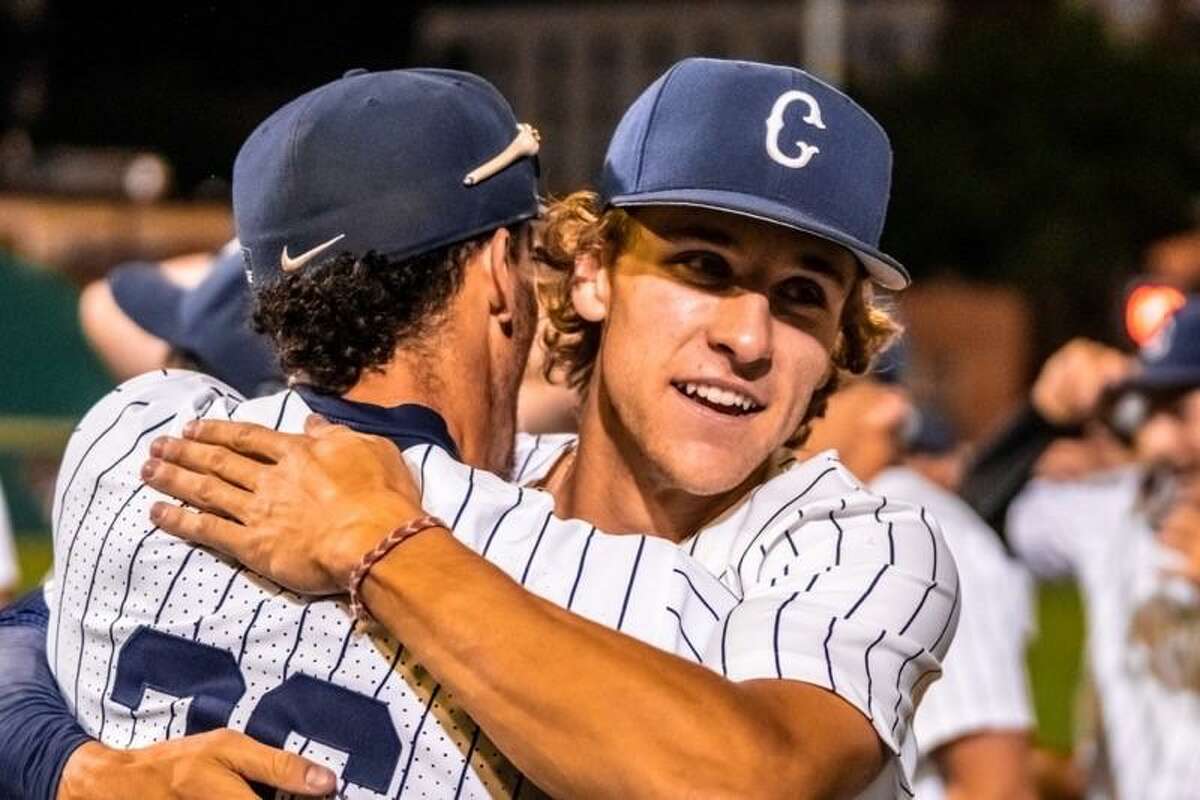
[974, 726]
[190, 312]
[1106, 531]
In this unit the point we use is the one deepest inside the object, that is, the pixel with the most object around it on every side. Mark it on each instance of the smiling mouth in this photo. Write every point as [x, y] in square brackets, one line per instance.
[723, 401]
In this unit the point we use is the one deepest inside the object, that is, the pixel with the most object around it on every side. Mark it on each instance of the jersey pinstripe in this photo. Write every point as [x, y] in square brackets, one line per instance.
[838, 587]
[1142, 647]
[985, 686]
[119, 583]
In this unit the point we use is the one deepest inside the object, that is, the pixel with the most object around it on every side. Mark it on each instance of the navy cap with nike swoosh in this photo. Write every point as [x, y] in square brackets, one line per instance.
[768, 142]
[400, 162]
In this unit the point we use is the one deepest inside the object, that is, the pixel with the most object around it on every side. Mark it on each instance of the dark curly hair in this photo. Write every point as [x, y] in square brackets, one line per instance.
[335, 320]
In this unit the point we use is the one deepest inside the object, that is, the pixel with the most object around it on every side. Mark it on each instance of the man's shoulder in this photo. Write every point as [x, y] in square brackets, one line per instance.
[187, 395]
[815, 511]
[111, 440]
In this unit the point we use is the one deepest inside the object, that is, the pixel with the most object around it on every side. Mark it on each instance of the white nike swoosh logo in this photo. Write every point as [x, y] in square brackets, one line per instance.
[289, 264]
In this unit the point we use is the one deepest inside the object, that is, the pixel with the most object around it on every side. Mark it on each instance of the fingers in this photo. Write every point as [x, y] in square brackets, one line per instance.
[199, 527]
[278, 768]
[243, 437]
[209, 459]
[207, 492]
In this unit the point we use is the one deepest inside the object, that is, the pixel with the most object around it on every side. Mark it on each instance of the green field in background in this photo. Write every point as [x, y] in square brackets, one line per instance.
[1054, 657]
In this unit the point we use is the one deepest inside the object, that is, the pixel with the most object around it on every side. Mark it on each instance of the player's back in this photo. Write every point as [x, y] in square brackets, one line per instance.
[152, 638]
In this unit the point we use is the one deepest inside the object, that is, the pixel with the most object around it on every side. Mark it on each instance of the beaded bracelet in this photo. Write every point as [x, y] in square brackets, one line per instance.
[359, 609]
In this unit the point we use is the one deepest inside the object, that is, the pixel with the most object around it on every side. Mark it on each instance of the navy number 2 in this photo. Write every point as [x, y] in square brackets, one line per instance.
[353, 723]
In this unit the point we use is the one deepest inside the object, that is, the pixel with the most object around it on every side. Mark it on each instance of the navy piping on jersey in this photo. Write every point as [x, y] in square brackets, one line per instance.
[499, 522]
[296, 644]
[66, 577]
[778, 616]
[867, 663]
[683, 633]
[412, 745]
[406, 425]
[699, 596]
[837, 558]
[899, 694]
[87, 603]
[932, 544]
[112, 641]
[632, 576]
[917, 610]
[582, 560]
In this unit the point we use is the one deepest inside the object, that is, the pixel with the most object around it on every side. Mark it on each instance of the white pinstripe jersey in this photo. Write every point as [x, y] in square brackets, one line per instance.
[985, 686]
[1143, 643]
[838, 587]
[151, 637]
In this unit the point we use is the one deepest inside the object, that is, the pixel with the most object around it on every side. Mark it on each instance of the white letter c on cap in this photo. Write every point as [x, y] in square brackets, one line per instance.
[775, 126]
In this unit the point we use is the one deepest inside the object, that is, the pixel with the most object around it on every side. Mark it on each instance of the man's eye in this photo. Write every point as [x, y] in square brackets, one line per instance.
[707, 268]
[801, 292]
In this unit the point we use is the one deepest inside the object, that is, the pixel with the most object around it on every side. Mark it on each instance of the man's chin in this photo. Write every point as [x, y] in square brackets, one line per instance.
[706, 470]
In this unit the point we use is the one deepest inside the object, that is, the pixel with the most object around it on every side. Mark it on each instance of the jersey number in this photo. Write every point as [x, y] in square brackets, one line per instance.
[333, 715]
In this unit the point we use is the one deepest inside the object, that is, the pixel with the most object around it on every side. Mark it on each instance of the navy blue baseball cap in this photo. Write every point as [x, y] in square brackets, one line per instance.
[210, 322]
[768, 142]
[400, 162]
[1171, 359]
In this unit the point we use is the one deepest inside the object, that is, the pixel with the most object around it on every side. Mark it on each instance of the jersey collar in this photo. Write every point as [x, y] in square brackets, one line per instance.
[406, 425]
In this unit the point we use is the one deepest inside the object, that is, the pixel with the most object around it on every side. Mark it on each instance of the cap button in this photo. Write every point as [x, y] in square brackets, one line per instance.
[350, 73]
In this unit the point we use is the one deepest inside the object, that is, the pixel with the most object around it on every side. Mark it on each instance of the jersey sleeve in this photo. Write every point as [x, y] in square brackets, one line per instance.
[853, 593]
[985, 687]
[37, 732]
[1051, 522]
[10, 572]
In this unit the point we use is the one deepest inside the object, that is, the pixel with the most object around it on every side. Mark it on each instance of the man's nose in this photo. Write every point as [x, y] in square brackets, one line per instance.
[741, 330]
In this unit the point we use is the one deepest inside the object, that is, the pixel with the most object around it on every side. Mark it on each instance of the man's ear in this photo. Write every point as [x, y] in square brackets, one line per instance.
[502, 276]
[590, 287]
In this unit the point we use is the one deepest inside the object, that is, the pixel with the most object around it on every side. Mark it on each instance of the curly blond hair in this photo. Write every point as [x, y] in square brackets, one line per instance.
[578, 223]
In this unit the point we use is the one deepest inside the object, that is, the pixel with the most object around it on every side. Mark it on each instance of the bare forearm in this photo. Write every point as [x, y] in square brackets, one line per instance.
[582, 709]
[994, 764]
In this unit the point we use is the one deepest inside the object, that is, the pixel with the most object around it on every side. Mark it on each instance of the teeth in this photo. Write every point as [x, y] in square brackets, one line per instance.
[718, 396]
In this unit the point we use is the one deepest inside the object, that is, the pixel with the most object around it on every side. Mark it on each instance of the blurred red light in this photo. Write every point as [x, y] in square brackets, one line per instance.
[1148, 307]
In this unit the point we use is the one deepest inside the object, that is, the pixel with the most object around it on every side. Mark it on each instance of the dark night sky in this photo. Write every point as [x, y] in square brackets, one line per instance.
[190, 80]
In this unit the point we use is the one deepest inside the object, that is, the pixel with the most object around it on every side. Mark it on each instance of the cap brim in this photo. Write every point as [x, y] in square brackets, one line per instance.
[149, 298]
[883, 269]
[1162, 379]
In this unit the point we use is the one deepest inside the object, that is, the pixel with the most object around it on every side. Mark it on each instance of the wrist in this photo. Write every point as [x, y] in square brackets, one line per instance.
[91, 771]
[381, 515]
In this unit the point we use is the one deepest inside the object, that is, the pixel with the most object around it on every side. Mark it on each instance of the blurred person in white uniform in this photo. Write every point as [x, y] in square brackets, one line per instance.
[1111, 531]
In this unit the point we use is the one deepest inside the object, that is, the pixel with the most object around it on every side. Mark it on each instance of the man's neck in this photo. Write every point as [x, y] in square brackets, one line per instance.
[613, 485]
[431, 380]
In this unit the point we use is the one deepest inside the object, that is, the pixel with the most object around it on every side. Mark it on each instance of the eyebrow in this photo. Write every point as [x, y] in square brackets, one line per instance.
[720, 238]
[704, 233]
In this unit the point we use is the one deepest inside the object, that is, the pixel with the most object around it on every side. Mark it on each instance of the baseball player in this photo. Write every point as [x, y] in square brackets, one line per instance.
[973, 726]
[857, 569]
[1142, 618]
[699, 332]
[141, 317]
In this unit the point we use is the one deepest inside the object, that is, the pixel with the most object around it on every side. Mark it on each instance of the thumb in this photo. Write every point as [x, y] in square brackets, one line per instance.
[277, 768]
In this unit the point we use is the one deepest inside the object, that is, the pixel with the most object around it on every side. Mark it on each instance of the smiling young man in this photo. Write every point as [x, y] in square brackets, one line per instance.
[598, 664]
[703, 304]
